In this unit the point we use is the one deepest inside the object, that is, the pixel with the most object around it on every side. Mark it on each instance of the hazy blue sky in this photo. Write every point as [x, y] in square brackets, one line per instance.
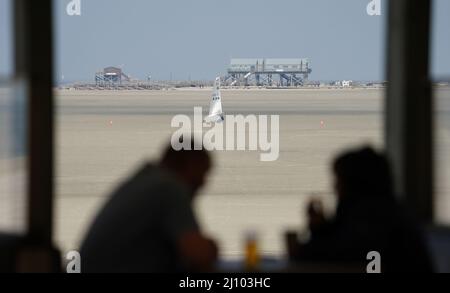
[5, 41]
[197, 38]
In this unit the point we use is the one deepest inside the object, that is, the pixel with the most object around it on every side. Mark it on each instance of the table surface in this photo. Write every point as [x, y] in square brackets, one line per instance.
[282, 265]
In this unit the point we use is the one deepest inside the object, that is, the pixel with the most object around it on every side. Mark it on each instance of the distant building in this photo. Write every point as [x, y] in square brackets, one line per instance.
[269, 72]
[110, 76]
[346, 83]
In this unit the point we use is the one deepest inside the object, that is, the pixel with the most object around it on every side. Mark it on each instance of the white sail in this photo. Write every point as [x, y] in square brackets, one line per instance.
[215, 107]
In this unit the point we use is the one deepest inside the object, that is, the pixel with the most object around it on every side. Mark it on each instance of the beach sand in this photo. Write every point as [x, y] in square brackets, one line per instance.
[103, 136]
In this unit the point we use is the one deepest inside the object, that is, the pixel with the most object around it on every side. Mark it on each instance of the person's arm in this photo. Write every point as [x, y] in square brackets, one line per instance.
[316, 216]
[319, 228]
[197, 252]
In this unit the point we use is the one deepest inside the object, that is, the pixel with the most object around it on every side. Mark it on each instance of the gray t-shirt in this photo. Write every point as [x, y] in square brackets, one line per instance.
[138, 228]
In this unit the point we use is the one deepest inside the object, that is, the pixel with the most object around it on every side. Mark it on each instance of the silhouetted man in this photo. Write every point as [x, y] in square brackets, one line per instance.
[148, 225]
[368, 218]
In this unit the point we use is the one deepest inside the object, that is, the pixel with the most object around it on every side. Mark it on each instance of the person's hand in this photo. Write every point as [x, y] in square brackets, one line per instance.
[213, 249]
[292, 244]
[316, 215]
[198, 252]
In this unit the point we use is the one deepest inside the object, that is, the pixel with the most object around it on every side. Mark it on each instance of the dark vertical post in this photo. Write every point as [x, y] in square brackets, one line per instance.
[34, 72]
[409, 104]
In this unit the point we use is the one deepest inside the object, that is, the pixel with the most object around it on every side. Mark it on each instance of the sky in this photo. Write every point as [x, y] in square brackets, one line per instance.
[196, 39]
[5, 39]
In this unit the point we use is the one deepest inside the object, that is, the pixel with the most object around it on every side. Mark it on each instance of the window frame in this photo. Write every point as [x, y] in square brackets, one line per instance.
[408, 103]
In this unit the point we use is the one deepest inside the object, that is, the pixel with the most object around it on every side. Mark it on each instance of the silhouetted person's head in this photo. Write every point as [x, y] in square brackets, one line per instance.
[362, 173]
[190, 166]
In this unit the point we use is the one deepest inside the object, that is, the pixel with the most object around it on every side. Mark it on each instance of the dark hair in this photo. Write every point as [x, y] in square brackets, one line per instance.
[364, 172]
[178, 159]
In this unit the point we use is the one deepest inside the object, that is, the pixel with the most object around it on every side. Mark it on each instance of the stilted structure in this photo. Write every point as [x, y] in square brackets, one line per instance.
[110, 76]
[264, 72]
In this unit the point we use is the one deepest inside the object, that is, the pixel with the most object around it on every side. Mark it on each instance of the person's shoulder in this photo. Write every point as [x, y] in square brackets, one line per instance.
[151, 182]
[144, 180]
[165, 184]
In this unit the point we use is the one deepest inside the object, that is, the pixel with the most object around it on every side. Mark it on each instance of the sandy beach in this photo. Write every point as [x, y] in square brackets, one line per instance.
[103, 136]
